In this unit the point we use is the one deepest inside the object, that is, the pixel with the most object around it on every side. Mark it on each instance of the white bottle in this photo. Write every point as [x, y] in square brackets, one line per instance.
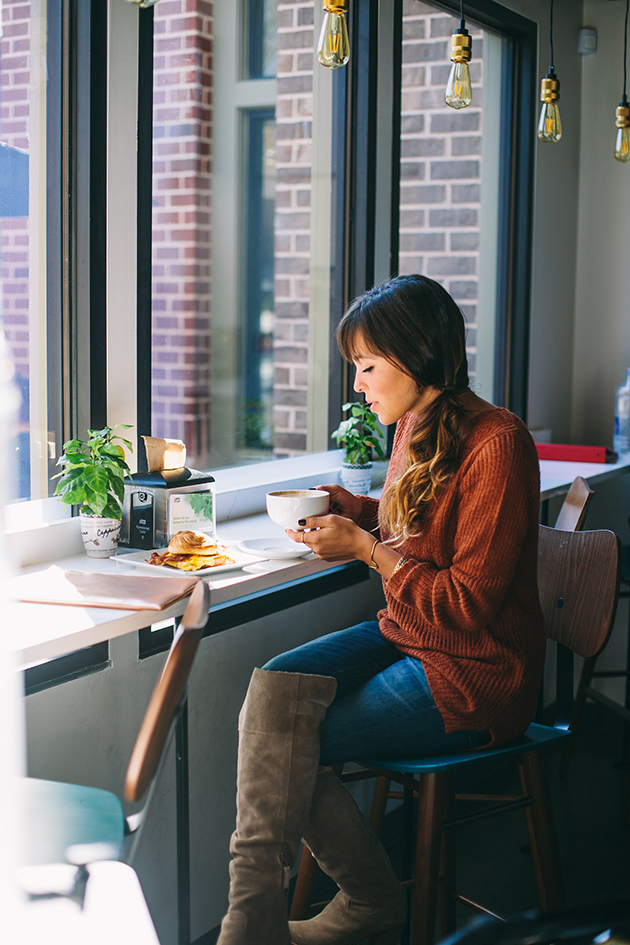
[621, 439]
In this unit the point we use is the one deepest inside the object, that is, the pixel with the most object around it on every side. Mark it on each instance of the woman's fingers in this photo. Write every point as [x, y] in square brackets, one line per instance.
[315, 521]
[329, 536]
[342, 502]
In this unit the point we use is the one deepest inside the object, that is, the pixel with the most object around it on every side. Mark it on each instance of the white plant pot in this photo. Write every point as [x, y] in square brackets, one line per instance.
[356, 478]
[100, 535]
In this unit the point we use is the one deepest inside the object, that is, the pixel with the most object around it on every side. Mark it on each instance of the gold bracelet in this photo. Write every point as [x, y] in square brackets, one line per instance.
[372, 562]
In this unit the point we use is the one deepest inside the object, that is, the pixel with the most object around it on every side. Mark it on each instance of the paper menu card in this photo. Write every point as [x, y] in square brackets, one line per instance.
[89, 589]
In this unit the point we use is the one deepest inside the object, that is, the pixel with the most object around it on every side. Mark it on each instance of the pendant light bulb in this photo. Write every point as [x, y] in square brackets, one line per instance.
[622, 144]
[458, 88]
[333, 48]
[549, 125]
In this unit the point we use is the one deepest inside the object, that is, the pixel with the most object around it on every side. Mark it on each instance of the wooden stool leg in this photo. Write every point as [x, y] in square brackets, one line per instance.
[307, 875]
[448, 863]
[542, 832]
[430, 813]
[379, 803]
[580, 700]
[304, 885]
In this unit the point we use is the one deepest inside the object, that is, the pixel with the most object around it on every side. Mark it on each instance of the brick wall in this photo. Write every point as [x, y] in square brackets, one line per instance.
[440, 162]
[181, 224]
[14, 131]
[294, 111]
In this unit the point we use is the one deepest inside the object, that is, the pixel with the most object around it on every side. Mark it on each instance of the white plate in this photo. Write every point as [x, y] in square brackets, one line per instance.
[140, 560]
[274, 547]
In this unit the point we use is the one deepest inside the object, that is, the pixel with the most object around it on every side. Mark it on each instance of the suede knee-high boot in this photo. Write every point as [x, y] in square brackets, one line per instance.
[370, 901]
[278, 759]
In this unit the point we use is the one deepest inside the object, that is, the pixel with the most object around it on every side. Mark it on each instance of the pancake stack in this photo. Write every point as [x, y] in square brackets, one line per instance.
[191, 551]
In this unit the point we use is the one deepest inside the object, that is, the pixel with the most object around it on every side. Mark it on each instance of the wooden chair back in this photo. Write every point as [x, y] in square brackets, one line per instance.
[578, 585]
[573, 512]
[168, 694]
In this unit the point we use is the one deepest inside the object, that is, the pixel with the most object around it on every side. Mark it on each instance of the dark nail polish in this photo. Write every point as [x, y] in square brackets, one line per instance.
[302, 521]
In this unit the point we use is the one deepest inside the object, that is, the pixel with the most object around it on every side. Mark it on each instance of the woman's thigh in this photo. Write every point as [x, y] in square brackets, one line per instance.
[391, 715]
[383, 707]
[352, 656]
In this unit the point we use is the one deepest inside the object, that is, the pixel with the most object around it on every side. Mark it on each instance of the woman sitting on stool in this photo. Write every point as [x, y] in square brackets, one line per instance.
[454, 661]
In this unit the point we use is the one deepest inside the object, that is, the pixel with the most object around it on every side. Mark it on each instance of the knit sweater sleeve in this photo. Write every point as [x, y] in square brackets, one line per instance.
[464, 592]
[369, 515]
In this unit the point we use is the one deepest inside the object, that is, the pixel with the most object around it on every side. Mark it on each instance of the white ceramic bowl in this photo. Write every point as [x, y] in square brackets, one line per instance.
[286, 508]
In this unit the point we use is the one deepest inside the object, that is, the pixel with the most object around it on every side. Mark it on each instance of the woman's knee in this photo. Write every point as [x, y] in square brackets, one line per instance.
[283, 663]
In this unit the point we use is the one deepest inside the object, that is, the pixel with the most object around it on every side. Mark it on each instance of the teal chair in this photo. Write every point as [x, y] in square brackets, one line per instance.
[69, 823]
[578, 577]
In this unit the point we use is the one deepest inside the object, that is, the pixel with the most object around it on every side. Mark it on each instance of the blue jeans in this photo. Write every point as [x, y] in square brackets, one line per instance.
[383, 707]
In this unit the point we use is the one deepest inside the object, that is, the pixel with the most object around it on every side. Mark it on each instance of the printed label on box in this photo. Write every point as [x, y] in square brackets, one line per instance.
[191, 511]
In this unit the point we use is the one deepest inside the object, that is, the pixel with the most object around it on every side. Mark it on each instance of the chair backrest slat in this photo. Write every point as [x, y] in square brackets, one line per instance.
[578, 584]
[167, 696]
[573, 512]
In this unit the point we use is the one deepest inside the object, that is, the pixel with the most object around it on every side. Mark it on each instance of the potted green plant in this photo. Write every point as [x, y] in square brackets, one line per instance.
[359, 435]
[93, 477]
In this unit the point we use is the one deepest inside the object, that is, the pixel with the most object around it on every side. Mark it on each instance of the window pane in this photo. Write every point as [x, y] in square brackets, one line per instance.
[446, 155]
[23, 106]
[263, 38]
[257, 432]
[231, 234]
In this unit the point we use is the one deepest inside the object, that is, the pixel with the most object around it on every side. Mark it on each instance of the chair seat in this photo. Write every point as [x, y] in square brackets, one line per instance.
[58, 815]
[536, 736]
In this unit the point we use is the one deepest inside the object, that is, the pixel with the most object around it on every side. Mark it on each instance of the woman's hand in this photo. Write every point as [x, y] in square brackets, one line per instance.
[333, 537]
[343, 502]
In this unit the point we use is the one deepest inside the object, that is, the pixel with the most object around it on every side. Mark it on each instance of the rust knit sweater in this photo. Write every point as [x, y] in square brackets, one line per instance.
[466, 602]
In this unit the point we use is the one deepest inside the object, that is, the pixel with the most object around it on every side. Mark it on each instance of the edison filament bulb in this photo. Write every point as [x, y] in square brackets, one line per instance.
[458, 88]
[549, 125]
[458, 92]
[333, 48]
[622, 144]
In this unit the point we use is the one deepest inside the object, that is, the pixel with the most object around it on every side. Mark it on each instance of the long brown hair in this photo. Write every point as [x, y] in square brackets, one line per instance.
[414, 323]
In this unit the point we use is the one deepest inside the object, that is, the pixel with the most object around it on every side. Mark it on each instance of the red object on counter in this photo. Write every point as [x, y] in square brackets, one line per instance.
[568, 453]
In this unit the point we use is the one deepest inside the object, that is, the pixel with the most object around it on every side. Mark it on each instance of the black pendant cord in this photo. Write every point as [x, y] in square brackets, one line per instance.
[462, 24]
[551, 67]
[624, 100]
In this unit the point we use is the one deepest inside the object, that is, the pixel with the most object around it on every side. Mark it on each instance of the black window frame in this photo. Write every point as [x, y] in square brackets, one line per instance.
[144, 297]
[76, 211]
[76, 156]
